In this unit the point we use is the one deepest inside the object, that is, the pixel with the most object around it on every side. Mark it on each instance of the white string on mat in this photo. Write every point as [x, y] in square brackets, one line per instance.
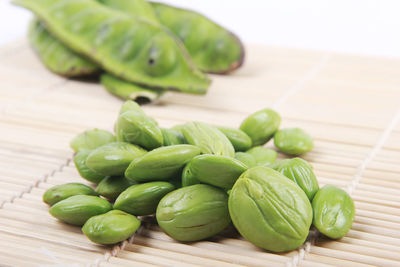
[35, 184]
[50, 255]
[116, 249]
[381, 142]
[306, 78]
[96, 263]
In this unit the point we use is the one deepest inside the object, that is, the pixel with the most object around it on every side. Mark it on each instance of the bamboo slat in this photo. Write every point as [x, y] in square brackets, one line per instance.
[348, 103]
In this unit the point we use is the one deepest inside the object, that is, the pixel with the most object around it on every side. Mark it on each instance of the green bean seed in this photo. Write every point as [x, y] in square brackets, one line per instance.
[293, 141]
[142, 199]
[333, 211]
[60, 192]
[111, 227]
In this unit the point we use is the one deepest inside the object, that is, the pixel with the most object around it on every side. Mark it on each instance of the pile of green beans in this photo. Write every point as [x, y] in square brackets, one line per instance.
[141, 49]
[197, 179]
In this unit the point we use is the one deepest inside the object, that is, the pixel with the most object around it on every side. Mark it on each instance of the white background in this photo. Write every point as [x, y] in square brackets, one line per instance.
[370, 27]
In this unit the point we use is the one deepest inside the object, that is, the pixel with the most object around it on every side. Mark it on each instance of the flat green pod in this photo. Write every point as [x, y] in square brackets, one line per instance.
[78, 209]
[128, 47]
[194, 212]
[220, 171]
[172, 137]
[139, 129]
[112, 159]
[239, 139]
[161, 164]
[333, 211]
[261, 126]
[246, 158]
[60, 192]
[263, 156]
[208, 138]
[293, 141]
[142, 199]
[84, 171]
[140, 8]
[57, 57]
[91, 139]
[299, 171]
[111, 186]
[213, 48]
[269, 210]
[111, 227]
[127, 90]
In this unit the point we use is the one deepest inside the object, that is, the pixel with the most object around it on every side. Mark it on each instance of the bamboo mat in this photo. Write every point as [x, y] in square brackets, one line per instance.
[350, 104]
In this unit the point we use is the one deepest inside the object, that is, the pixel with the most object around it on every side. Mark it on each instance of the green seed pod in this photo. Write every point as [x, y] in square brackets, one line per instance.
[213, 48]
[142, 199]
[172, 137]
[78, 209]
[57, 57]
[194, 212]
[246, 158]
[220, 171]
[239, 139]
[163, 163]
[111, 186]
[64, 191]
[187, 177]
[269, 210]
[263, 156]
[299, 171]
[208, 138]
[128, 90]
[91, 139]
[83, 169]
[261, 126]
[333, 211]
[111, 227]
[129, 47]
[293, 141]
[139, 129]
[113, 159]
[134, 7]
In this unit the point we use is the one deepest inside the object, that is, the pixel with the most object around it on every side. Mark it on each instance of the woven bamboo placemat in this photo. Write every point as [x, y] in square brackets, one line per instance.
[350, 104]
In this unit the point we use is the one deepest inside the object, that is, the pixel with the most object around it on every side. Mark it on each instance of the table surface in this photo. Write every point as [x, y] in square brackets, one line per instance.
[350, 105]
